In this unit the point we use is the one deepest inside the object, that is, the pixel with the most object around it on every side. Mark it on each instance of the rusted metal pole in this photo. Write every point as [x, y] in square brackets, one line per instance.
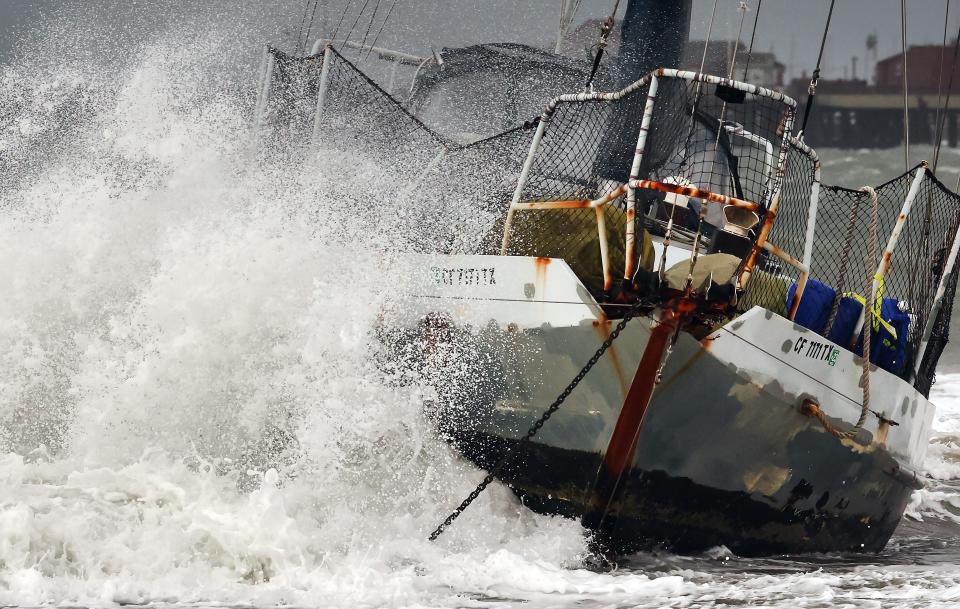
[775, 195]
[404, 58]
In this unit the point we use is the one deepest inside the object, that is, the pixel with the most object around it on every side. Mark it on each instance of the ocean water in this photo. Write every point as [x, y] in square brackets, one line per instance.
[190, 409]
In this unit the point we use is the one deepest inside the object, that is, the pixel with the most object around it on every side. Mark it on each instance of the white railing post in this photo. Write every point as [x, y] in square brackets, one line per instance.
[631, 237]
[266, 76]
[321, 94]
[898, 227]
[522, 182]
[937, 301]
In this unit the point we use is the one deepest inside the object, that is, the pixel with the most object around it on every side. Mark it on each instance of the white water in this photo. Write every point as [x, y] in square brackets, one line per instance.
[172, 311]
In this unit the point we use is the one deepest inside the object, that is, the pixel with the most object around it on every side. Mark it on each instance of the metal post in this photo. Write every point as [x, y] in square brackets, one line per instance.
[321, 94]
[771, 214]
[604, 246]
[426, 171]
[521, 182]
[937, 301]
[884, 265]
[812, 216]
[634, 170]
[267, 75]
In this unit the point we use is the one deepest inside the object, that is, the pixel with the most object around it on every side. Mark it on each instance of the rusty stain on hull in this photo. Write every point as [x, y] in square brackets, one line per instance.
[541, 266]
[602, 325]
[618, 457]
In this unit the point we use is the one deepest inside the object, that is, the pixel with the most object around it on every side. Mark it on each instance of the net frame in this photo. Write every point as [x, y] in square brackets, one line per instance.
[611, 193]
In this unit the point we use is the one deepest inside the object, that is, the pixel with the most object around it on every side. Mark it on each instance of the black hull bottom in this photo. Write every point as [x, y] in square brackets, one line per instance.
[657, 510]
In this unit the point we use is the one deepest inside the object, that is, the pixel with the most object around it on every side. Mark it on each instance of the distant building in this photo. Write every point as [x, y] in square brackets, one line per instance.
[923, 69]
[764, 69]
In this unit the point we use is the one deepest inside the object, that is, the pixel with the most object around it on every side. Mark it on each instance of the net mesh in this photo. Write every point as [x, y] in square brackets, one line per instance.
[454, 198]
[448, 198]
[772, 277]
[356, 114]
[917, 263]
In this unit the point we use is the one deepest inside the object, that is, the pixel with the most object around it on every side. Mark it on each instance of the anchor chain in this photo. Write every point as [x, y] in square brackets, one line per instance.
[511, 452]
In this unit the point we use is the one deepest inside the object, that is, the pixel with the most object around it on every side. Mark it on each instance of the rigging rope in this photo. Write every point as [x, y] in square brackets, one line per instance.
[906, 107]
[511, 453]
[702, 217]
[303, 19]
[936, 121]
[753, 35]
[346, 7]
[812, 88]
[942, 116]
[306, 36]
[373, 16]
[605, 30]
[352, 28]
[382, 25]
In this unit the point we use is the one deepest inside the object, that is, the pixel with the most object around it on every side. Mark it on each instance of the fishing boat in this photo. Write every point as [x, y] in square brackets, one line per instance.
[743, 356]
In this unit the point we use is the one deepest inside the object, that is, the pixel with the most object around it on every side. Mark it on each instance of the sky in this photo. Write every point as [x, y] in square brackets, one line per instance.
[791, 28]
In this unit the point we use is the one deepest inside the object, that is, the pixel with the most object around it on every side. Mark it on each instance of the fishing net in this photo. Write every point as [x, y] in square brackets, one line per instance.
[841, 244]
[354, 114]
[772, 277]
[703, 133]
[444, 197]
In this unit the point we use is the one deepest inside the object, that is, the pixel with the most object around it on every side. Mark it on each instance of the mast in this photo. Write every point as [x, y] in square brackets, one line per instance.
[653, 35]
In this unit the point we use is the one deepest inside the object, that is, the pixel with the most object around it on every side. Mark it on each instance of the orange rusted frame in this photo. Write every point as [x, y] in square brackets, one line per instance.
[801, 282]
[695, 193]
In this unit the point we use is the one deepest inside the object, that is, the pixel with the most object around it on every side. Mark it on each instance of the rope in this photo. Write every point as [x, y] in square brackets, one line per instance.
[303, 18]
[869, 312]
[373, 16]
[843, 265]
[702, 216]
[383, 25]
[753, 35]
[812, 88]
[343, 15]
[906, 110]
[306, 36]
[605, 30]
[936, 120]
[811, 408]
[942, 117]
[354, 26]
[511, 453]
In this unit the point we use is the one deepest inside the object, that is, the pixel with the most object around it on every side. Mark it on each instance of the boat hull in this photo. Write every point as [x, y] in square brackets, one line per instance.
[726, 454]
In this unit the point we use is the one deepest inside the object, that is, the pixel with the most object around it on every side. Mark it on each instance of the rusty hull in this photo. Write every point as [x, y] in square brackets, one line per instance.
[719, 460]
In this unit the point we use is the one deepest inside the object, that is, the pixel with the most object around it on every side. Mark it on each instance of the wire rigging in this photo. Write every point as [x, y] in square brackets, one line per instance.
[306, 36]
[906, 107]
[373, 17]
[753, 36]
[303, 19]
[346, 8]
[812, 89]
[382, 26]
[354, 26]
[605, 30]
[942, 116]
